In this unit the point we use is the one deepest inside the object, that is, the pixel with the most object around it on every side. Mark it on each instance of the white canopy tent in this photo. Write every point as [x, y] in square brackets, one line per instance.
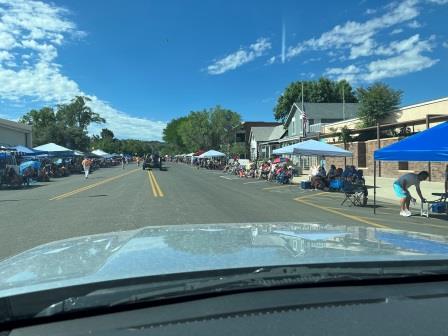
[52, 147]
[313, 147]
[100, 152]
[211, 154]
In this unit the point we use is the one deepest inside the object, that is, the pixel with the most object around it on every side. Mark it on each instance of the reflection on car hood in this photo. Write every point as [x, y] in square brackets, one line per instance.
[187, 248]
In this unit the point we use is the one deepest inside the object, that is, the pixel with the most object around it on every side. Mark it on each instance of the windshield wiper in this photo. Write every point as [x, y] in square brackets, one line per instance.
[260, 278]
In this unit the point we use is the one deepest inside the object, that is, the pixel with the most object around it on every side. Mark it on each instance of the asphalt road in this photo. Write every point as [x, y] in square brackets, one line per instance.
[113, 199]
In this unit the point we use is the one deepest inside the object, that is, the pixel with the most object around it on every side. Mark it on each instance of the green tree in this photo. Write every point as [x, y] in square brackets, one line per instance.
[377, 102]
[222, 121]
[321, 91]
[107, 134]
[44, 125]
[78, 114]
[171, 135]
[195, 131]
[237, 149]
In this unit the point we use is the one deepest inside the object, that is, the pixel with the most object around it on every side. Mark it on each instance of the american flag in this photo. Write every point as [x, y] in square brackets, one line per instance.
[304, 121]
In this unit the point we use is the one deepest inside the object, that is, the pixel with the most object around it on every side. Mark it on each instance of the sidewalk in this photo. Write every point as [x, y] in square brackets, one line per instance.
[385, 191]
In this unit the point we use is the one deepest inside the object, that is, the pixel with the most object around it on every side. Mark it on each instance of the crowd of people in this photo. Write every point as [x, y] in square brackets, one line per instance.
[335, 177]
[281, 172]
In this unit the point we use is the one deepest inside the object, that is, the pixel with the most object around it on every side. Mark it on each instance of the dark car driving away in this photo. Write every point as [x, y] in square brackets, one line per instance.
[152, 161]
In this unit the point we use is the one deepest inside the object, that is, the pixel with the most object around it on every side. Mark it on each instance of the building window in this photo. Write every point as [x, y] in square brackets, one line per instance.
[240, 137]
[403, 165]
[293, 126]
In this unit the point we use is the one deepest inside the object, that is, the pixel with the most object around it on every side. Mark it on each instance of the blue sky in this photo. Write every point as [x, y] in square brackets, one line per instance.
[145, 62]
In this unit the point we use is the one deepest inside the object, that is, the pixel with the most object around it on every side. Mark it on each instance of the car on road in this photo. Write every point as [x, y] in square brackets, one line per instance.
[242, 279]
[152, 161]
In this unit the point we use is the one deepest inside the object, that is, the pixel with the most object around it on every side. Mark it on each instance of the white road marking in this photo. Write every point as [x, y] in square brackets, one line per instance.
[254, 182]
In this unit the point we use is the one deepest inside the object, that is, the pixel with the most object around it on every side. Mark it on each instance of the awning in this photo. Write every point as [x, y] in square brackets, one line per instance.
[428, 145]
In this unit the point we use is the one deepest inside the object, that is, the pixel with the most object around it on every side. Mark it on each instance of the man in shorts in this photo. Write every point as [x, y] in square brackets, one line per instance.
[401, 188]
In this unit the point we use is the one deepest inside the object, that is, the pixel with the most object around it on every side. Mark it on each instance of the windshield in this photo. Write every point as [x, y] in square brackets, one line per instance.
[147, 139]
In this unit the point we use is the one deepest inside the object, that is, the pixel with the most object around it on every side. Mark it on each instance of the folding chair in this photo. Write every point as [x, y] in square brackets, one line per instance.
[353, 193]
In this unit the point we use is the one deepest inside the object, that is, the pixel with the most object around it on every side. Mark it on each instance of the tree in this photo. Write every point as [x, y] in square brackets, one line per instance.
[377, 102]
[195, 131]
[107, 134]
[222, 121]
[67, 126]
[171, 135]
[321, 91]
[345, 136]
[78, 114]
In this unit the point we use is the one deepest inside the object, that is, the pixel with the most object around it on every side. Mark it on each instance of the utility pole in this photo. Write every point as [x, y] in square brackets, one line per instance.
[343, 103]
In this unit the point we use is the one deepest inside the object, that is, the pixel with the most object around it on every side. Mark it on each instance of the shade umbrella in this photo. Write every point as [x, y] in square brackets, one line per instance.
[26, 164]
[313, 147]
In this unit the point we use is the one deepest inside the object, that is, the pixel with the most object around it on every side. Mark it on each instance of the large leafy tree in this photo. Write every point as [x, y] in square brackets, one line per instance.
[321, 91]
[67, 126]
[204, 129]
[377, 102]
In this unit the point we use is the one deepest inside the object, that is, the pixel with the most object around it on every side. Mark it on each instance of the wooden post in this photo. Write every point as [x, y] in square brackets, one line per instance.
[379, 146]
[429, 163]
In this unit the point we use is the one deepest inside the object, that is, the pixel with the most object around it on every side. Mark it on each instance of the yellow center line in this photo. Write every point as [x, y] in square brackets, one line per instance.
[310, 195]
[90, 186]
[154, 192]
[352, 217]
[156, 184]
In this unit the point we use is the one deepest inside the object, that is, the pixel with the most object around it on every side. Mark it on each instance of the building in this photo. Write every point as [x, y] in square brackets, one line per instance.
[317, 115]
[404, 121]
[242, 133]
[260, 137]
[14, 133]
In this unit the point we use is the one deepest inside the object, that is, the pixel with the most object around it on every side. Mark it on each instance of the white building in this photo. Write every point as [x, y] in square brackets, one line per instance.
[13, 133]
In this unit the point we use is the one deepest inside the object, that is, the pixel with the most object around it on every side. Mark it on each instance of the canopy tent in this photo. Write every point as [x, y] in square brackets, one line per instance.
[100, 152]
[428, 145]
[25, 150]
[79, 153]
[52, 148]
[313, 147]
[211, 154]
[189, 155]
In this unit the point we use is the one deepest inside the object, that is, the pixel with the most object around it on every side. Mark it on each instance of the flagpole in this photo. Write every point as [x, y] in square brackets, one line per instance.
[303, 120]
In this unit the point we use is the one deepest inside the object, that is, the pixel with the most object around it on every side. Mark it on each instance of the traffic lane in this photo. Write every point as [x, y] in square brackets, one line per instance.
[54, 187]
[328, 206]
[38, 221]
[202, 196]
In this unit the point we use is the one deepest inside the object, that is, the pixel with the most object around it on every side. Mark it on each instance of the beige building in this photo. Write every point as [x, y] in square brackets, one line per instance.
[404, 114]
[14, 133]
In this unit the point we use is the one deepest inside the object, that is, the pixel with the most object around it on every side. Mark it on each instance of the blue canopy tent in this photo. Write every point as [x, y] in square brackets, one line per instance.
[313, 147]
[429, 145]
[25, 150]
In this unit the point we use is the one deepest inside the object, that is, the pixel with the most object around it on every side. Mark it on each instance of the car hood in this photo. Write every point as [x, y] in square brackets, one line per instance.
[175, 249]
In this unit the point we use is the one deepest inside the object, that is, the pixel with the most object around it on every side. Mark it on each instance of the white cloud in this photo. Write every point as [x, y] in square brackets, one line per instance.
[271, 60]
[357, 36]
[370, 11]
[407, 57]
[414, 24]
[33, 30]
[445, 44]
[283, 43]
[240, 57]
[396, 31]
[439, 2]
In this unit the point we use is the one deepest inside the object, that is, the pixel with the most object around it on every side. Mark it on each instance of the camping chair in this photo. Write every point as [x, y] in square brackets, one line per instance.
[354, 193]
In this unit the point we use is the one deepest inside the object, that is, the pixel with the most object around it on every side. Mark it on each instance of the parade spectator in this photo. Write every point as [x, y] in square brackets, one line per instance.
[401, 188]
[86, 163]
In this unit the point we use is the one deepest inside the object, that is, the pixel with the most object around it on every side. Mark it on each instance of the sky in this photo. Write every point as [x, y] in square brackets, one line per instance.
[145, 62]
